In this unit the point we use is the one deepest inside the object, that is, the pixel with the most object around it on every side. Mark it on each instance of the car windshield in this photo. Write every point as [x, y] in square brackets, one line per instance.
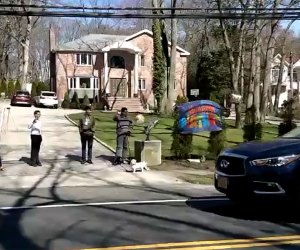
[48, 94]
[19, 93]
[295, 133]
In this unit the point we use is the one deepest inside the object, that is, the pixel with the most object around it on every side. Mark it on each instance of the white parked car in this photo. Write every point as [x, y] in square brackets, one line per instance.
[47, 99]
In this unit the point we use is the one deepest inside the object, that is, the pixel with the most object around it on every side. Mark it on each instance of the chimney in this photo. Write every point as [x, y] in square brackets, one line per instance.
[52, 38]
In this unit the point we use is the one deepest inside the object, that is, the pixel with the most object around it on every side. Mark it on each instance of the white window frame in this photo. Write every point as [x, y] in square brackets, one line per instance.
[142, 81]
[89, 59]
[72, 82]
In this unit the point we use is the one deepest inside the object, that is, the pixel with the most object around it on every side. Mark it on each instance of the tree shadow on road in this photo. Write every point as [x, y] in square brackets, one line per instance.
[278, 211]
[13, 236]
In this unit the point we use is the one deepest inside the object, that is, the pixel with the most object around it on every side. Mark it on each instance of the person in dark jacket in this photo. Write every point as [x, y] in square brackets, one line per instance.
[123, 130]
[86, 130]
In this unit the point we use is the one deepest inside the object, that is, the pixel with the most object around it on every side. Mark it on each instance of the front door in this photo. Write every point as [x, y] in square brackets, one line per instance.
[118, 87]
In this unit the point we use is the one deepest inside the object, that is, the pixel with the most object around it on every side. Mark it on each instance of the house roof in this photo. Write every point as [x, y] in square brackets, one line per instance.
[296, 59]
[90, 43]
[101, 42]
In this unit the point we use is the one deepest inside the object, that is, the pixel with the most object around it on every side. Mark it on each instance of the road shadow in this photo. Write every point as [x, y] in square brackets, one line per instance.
[26, 160]
[71, 157]
[278, 211]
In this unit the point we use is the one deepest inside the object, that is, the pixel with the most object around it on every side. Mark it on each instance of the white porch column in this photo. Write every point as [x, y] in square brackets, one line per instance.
[106, 77]
[136, 73]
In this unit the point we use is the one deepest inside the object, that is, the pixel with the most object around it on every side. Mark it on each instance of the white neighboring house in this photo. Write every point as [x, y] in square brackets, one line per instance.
[286, 80]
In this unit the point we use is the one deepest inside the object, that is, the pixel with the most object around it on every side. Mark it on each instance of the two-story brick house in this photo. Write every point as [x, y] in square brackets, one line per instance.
[117, 66]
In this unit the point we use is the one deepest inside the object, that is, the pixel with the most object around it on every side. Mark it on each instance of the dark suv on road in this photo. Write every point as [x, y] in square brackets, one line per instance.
[261, 168]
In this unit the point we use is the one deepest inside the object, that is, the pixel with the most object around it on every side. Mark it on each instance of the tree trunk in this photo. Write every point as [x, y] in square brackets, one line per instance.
[268, 65]
[281, 68]
[257, 78]
[234, 66]
[172, 73]
[25, 50]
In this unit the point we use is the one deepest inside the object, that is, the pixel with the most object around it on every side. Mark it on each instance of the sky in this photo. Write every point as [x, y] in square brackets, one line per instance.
[295, 27]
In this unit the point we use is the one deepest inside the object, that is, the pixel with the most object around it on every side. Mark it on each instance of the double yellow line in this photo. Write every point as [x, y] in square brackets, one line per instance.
[215, 244]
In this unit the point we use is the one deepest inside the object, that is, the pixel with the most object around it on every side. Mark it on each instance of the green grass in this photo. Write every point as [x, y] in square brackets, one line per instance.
[106, 131]
[198, 179]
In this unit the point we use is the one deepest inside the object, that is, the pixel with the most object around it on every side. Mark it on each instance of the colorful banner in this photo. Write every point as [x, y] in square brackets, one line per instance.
[198, 116]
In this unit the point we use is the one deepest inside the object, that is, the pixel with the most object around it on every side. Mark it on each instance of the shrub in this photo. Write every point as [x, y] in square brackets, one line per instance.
[85, 102]
[98, 105]
[75, 103]
[182, 144]
[252, 130]
[216, 142]
[66, 102]
[288, 115]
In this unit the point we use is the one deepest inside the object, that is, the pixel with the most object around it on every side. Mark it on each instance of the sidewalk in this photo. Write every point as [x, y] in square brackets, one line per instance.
[60, 155]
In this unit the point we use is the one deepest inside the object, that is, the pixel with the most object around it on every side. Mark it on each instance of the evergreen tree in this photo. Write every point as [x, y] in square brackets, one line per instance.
[182, 144]
[85, 102]
[39, 88]
[33, 89]
[158, 86]
[3, 87]
[18, 86]
[75, 103]
[10, 88]
[216, 142]
[66, 102]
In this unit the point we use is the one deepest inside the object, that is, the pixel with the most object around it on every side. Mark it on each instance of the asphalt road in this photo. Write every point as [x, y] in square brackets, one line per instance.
[61, 219]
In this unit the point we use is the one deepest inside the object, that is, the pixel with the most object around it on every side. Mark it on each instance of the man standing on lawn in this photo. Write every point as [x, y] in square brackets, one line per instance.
[86, 130]
[124, 126]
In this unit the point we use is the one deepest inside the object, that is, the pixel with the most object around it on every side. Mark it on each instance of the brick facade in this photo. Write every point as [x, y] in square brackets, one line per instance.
[66, 67]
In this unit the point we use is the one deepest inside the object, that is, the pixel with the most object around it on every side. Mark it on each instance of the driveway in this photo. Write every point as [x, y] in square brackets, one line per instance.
[61, 140]
[60, 155]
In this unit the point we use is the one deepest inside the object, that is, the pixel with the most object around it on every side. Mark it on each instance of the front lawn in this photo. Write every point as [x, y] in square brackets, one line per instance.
[106, 127]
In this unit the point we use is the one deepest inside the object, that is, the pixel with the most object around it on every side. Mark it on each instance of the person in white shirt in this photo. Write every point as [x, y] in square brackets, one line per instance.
[36, 139]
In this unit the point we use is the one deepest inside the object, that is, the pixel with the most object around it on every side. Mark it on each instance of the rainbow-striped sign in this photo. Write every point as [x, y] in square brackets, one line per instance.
[198, 116]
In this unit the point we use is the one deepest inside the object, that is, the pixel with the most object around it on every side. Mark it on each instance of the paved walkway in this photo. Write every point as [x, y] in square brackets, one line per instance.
[60, 155]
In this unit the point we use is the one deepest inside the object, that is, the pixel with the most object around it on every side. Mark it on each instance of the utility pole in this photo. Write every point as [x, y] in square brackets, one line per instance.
[291, 74]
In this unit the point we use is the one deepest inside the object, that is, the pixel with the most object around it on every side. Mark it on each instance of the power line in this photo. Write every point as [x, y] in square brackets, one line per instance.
[73, 7]
[266, 16]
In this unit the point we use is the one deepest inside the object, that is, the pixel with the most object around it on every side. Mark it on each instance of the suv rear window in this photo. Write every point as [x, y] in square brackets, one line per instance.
[48, 94]
[18, 93]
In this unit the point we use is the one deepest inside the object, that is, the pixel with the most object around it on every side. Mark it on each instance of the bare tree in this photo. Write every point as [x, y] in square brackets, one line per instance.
[235, 65]
[281, 66]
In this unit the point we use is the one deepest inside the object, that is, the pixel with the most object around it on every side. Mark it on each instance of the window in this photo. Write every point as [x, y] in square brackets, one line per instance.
[275, 74]
[72, 83]
[84, 59]
[117, 62]
[175, 83]
[295, 76]
[85, 83]
[142, 60]
[142, 84]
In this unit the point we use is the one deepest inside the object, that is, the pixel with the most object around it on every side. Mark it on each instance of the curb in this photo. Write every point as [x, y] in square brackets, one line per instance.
[96, 139]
